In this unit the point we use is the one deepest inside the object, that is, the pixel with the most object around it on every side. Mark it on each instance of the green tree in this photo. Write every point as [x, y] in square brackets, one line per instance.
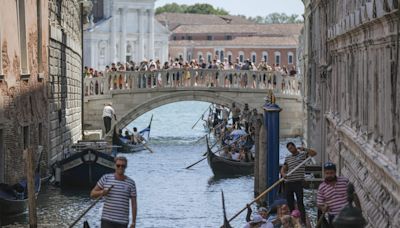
[280, 18]
[197, 8]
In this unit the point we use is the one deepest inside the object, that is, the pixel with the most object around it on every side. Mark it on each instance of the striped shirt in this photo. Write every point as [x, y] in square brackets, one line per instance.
[116, 205]
[335, 196]
[292, 161]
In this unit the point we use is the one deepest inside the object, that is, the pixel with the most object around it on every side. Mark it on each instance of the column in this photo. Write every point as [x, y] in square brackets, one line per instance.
[113, 41]
[122, 46]
[141, 35]
[151, 34]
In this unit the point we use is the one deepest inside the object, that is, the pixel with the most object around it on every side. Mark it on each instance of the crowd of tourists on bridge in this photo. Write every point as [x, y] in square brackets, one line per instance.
[180, 73]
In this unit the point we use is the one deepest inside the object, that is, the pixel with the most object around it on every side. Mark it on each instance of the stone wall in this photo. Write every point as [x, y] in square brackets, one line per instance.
[352, 97]
[65, 50]
[23, 78]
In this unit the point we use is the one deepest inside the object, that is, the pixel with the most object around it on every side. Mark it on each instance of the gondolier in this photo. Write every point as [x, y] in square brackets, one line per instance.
[108, 114]
[294, 182]
[332, 193]
[116, 206]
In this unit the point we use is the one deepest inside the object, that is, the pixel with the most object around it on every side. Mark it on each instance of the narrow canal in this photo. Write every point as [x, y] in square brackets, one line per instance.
[168, 194]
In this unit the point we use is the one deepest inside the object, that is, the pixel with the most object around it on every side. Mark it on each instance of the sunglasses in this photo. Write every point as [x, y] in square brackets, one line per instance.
[120, 166]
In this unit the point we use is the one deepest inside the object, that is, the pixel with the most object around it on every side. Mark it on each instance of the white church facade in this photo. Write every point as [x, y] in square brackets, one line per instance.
[123, 31]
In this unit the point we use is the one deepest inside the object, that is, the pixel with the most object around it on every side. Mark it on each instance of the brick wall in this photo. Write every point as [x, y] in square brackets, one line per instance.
[23, 93]
[65, 49]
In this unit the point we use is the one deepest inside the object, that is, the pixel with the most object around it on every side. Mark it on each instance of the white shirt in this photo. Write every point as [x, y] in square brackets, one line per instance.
[235, 156]
[108, 111]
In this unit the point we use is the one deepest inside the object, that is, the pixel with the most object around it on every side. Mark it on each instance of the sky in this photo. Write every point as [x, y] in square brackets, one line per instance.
[250, 8]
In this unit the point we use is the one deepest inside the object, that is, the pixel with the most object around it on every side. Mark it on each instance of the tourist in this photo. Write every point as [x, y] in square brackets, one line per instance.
[294, 182]
[289, 222]
[296, 215]
[136, 137]
[117, 189]
[245, 117]
[108, 114]
[257, 221]
[235, 113]
[226, 152]
[332, 192]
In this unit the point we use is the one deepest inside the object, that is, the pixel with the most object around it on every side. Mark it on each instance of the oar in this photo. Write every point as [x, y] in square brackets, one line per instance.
[270, 188]
[88, 209]
[200, 138]
[201, 117]
[320, 220]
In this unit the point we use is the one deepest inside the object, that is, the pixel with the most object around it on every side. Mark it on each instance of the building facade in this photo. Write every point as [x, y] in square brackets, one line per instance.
[40, 82]
[124, 31]
[233, 39]
[351, 71]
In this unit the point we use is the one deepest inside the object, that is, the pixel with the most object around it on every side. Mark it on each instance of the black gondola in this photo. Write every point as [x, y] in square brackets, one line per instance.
[14, 199]
[84, 168]
[125, 146]
[227, 167]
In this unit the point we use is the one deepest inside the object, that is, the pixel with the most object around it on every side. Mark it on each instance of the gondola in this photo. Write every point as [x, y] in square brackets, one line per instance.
[126, 146]
[84, 168]
[14, 199]
[227, 167]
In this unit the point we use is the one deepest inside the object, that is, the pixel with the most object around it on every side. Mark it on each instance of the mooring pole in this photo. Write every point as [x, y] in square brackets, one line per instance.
[271, 115]
[30, 171]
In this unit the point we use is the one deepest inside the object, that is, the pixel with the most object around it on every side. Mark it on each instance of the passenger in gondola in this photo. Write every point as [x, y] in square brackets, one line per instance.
[226, 152]
[127, 135]
[235, 155]
[261, 211]
[136, 138]
[257, 222]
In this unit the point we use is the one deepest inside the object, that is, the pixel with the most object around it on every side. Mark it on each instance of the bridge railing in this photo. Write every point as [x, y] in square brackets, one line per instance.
[193, 78]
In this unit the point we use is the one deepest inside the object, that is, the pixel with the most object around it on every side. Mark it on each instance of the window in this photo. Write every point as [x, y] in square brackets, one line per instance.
[208, 57]
[265, 56]
[22, 35]
[182, 38]
[241, 56]
[290, 58]
[229, 56]
[174, 37]
[199, 56]
[277, 58]
[209, 37]
[228, 37]
[26, 137]
[221, 57]
[189, 37]
[39, 29]
[253, 57]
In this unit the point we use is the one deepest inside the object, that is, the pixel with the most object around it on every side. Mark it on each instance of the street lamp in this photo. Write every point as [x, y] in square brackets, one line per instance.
[350, 216]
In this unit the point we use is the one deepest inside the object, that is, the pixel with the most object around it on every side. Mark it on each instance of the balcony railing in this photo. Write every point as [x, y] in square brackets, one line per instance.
[131, 81]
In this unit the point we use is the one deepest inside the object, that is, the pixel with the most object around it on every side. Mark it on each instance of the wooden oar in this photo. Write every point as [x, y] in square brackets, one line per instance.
[88, 209]
[270, 188]
[201, 116]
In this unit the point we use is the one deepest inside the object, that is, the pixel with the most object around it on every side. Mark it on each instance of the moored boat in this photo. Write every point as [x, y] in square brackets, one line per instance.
[227, 167]
[84, 168]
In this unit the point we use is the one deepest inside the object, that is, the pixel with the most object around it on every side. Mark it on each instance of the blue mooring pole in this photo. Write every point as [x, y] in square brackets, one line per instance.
[271, 115]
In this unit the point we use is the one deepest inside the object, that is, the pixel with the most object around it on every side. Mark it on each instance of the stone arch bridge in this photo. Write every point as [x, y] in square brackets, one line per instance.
[135, 93]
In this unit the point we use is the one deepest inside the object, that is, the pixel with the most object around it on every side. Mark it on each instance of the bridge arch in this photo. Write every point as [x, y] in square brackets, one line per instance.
[148, 105]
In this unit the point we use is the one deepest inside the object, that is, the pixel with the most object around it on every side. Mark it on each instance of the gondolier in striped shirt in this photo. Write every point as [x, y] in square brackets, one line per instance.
[116, 206]
[294, 182]
[332, 193]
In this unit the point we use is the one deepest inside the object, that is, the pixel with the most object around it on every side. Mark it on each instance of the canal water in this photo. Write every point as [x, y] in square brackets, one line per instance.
[168, 194]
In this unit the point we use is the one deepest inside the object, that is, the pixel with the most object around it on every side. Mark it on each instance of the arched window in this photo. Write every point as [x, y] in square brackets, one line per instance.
[254, 57]
[265, 56]
[221, 57]
[241, 56]
[290, 58]
[199, 56]
[229, 56]
[209, 56]
[277, 58]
